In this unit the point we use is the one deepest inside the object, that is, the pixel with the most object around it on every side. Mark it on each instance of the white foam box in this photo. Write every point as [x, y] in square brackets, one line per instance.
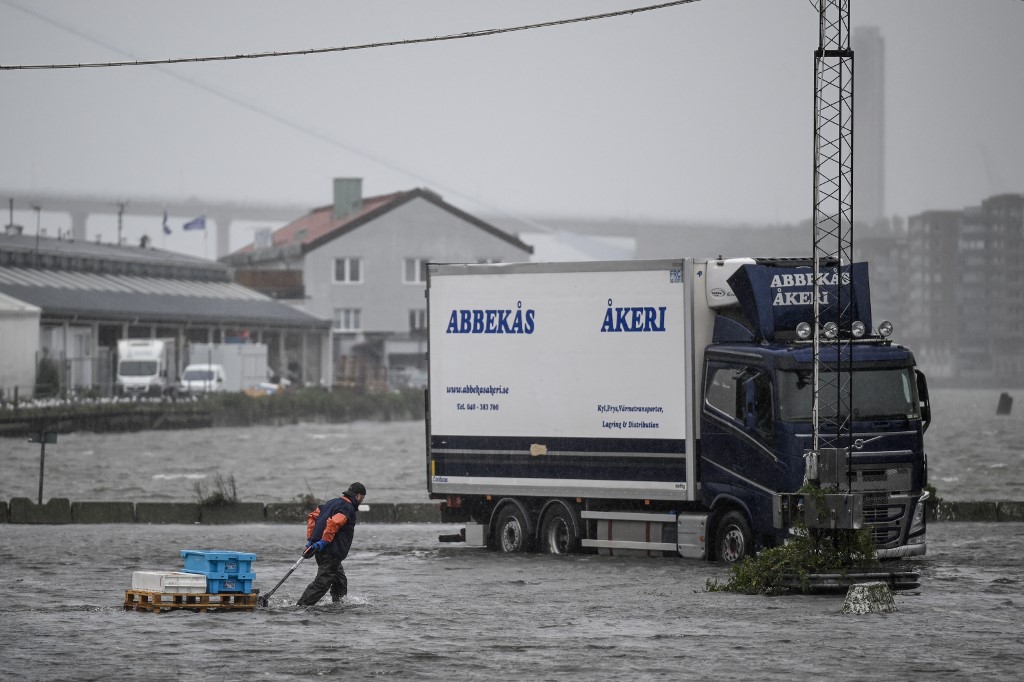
[169, 581]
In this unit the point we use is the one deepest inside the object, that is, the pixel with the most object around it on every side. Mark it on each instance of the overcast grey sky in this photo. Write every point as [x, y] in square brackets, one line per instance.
[695, 112]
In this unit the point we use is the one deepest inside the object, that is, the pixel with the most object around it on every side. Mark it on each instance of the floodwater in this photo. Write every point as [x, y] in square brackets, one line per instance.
[419, 609]
[973, 454]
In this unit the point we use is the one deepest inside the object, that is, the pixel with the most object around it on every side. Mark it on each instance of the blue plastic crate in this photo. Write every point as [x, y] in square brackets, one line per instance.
[217, 583]
[216, 562]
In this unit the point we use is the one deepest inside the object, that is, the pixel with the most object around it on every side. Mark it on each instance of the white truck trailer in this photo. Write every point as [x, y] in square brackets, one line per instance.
[657, 407]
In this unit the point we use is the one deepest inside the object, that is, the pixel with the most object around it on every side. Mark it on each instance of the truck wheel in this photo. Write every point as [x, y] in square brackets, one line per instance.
[512, 530]
[734, 539]
[558, 533]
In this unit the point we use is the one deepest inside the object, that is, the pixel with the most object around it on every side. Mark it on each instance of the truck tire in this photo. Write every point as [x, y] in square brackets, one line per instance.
[512, 532]
[733, 540]
[558, 532]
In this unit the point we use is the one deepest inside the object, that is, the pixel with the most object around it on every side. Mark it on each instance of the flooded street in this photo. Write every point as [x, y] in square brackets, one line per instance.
[420, 609]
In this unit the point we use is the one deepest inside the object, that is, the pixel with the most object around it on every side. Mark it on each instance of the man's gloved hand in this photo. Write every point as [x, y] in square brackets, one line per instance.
[308, 543]
[319, 546]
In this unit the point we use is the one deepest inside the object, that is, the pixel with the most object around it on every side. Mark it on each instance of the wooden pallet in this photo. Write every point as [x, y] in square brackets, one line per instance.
[156, 602]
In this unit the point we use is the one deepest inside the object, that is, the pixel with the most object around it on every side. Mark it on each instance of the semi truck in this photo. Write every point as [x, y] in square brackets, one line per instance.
[147, 367]
[664, 407]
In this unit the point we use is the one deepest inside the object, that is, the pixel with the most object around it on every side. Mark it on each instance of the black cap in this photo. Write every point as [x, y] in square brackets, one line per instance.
[356, 489]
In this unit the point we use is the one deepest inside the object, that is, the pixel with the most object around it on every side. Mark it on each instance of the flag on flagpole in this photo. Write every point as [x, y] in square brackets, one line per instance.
[167, 228]
[196, 224]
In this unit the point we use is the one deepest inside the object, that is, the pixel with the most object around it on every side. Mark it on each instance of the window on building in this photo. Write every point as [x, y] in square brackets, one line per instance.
[415, 271]
[348, 270]
[418, 320]
[347, 320]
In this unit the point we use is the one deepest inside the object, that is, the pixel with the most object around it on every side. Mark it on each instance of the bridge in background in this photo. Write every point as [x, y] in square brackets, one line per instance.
[219, 213]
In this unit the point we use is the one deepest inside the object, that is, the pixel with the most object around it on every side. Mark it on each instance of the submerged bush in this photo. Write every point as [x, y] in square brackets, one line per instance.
[777, 570]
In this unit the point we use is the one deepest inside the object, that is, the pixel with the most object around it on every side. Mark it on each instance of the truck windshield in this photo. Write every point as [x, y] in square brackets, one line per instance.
[877, 394]
[198, 375]
[137, 368]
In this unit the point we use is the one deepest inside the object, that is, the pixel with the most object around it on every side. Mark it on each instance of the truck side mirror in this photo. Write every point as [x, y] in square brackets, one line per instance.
[922, 394]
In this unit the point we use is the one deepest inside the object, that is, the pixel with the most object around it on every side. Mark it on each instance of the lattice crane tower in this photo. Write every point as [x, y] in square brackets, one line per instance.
[833, 226]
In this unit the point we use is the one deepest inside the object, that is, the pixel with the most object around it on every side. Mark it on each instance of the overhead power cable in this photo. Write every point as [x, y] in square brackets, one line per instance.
[348, 48]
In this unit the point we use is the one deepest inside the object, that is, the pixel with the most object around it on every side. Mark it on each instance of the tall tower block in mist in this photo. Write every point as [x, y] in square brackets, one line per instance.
[868, 125]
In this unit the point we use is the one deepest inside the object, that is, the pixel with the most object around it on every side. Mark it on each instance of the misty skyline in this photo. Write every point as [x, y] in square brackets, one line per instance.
[699, 112]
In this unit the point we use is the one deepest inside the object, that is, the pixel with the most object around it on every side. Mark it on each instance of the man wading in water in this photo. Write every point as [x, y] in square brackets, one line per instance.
[329, 530]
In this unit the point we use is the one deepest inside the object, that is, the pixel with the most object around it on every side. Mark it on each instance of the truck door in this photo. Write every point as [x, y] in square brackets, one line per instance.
[737, 439]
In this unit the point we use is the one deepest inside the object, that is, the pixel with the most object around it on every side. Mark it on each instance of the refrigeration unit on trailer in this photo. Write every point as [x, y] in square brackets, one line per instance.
[659, 407]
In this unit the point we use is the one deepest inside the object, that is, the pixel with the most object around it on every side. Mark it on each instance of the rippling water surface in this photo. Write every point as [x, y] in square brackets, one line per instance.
[973, 454]
[419, 609]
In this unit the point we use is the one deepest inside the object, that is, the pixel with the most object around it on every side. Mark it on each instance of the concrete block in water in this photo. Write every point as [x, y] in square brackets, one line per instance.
[1010, 511]
[4, 516]
[873, 597]
[56, 510]
[239, 512]
[417, 513]
[166, 512]
[103, 512]
[966, 511]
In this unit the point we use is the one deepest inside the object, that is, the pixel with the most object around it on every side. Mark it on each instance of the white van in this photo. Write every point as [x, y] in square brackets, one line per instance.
[203, 379]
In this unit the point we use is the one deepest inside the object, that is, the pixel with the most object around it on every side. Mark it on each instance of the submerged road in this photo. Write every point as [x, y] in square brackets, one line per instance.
[420, 609]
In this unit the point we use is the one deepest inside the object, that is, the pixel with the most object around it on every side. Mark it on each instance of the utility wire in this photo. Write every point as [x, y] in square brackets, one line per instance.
[348, 48]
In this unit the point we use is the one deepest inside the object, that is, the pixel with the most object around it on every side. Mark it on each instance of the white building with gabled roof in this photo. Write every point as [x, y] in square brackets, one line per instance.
[361, 262]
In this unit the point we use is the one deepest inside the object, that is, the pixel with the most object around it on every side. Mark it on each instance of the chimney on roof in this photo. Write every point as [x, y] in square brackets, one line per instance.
[348, 196]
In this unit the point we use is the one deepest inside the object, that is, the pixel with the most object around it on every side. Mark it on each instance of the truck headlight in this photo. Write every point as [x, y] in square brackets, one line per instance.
[803, 330]
[857, 329]
[917, 525]
[885, 328]
[831, 330]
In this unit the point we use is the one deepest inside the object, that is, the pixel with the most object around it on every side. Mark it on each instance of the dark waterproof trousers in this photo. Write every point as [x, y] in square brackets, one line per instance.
[329, 576]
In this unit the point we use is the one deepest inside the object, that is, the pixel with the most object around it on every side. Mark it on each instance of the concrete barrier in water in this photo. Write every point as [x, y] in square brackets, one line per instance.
[1010, 511]
[294, 512]
[286, 512]
[380, 512]
[166, 512]
[417, 513]
[239, 512]
[61, 510]
[56, 510]
[103, 512]
[967, 511]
